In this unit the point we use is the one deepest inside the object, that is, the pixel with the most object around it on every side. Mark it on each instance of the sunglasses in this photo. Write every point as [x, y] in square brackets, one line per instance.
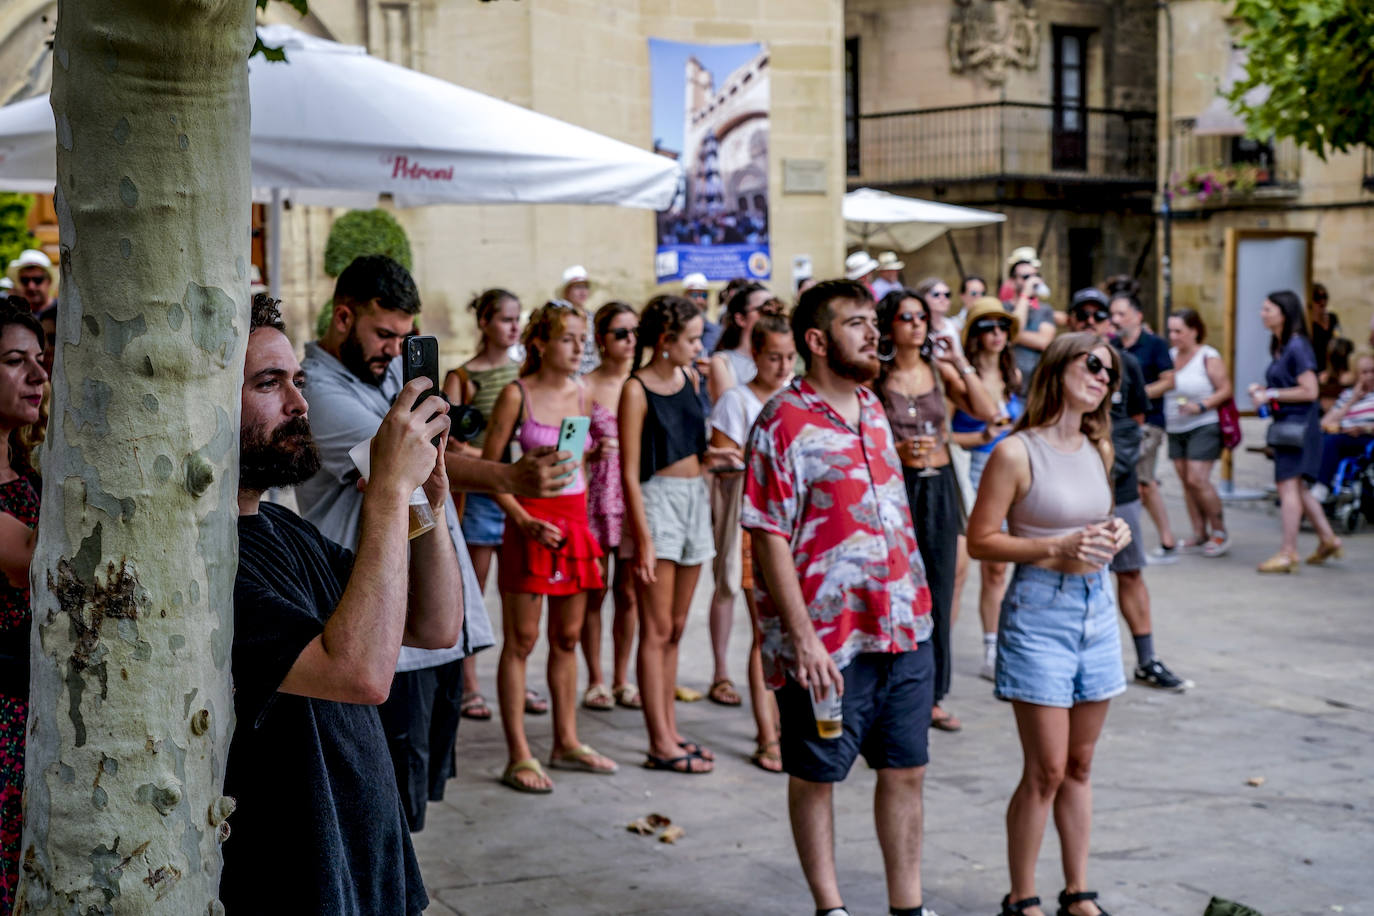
[698, 294]
[940, 293]
[1096, 366]
[1095, 314]
[909, 317]
[623, 333]
[32, 281]
[983, 325]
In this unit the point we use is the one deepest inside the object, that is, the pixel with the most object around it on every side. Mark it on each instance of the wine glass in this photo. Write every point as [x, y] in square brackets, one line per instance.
[929, 433]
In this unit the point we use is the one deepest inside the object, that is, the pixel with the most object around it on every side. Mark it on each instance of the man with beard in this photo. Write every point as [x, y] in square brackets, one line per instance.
[1090, 312]
[354, 378]
[842, 598]
[317, 630]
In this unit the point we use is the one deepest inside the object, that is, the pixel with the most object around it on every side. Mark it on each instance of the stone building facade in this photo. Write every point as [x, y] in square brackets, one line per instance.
[586, 62]
[1043, 110]
[1296, 190]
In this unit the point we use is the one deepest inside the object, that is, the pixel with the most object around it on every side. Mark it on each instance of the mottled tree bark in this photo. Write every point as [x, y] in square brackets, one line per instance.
[131, 710]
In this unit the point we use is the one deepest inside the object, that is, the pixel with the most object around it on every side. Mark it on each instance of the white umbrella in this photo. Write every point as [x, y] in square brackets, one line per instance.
[905, 223]
[336, 126]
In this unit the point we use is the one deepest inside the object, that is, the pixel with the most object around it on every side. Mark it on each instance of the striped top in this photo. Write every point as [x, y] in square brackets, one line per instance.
[489, 383]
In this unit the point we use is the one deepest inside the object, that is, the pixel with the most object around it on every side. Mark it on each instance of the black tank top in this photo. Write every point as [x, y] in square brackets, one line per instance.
[674, 427]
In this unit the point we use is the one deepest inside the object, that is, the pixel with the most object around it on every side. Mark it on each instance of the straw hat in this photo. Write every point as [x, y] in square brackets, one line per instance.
[694, 282]
[982, 308]
[888, 261]
[31, 257]
[859, 265]
[1023, 255]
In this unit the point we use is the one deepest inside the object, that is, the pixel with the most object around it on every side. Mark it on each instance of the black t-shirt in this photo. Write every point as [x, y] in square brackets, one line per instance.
[1128, 401]
[1153, 355]
[319, 827]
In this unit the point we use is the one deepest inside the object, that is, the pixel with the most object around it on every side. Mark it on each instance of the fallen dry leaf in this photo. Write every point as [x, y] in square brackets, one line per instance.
[1255, 781]
[648, 824]
[671, 835]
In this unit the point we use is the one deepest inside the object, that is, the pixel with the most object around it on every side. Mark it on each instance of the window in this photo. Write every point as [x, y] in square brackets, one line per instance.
[1259, 153]
[1070, 129]
[851, 106]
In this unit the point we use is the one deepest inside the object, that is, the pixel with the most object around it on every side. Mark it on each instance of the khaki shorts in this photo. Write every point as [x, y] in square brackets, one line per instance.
[726, 490]
[678, 510]
[1151, 438]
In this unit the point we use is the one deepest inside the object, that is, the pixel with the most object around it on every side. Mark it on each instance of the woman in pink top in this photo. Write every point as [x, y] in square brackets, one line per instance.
[548, 549]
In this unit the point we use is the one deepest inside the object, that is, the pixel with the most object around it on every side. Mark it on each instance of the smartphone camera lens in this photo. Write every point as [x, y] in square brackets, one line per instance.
[466, 422]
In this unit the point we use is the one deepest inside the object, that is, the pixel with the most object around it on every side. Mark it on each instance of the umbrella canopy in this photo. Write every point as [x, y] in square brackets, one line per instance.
[905, 223]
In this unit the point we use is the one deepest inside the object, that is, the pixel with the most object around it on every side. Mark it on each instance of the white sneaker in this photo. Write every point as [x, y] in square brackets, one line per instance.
[1321, 492]
[1162, 556]
[989, 670]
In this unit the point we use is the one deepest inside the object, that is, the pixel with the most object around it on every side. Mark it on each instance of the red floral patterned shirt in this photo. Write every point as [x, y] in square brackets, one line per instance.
[836, 495]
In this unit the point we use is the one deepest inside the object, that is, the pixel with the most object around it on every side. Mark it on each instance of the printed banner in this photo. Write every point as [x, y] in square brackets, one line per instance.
[710, 112]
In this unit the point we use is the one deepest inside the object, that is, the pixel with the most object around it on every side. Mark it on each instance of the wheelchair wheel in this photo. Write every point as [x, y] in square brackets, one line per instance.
[1347, 517]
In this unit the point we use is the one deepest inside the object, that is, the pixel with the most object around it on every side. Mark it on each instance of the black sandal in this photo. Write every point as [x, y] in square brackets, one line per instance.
[1065, 899]
[1019, 907]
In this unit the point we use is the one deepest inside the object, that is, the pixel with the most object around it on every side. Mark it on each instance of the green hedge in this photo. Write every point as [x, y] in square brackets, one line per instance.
[363, 232]
[14, 227]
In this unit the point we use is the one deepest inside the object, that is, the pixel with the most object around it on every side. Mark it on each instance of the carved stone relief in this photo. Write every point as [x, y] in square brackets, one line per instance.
[988, 36]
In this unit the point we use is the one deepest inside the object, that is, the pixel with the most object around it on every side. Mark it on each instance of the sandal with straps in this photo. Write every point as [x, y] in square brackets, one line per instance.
[1019, 907]
[1066, 899]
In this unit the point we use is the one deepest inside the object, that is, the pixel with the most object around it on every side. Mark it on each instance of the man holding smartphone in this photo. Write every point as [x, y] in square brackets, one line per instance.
[317, 631]
[354, 378]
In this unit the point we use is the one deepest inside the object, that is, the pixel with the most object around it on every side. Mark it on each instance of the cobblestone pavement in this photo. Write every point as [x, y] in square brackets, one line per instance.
[1283, 698]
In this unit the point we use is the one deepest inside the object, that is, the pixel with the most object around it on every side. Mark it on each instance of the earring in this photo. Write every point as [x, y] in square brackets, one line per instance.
[665, 354]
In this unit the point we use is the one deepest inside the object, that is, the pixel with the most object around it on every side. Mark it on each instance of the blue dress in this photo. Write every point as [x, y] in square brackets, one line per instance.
[1293, 360]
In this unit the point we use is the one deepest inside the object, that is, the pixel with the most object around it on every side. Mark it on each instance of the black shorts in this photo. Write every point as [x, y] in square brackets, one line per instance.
[887, 701]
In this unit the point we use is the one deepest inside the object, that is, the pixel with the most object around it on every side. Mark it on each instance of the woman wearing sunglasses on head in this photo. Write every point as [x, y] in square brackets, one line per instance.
[1058, 651]
[919, 371]
[617, 330]
[988, 331]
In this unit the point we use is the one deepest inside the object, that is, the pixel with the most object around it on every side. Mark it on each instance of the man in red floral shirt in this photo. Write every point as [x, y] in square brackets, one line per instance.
[841, 591]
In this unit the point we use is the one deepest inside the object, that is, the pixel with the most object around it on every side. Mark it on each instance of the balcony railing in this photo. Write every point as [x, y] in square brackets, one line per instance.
[1275, 167]
[1007, 141]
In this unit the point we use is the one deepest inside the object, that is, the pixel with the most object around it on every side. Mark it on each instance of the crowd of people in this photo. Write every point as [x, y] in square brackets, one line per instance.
[840, 462]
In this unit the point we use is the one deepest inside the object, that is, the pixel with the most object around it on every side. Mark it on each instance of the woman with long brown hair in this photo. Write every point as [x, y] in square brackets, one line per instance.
[617, 330]
[1058, 649]
[547, 550]
[21, 393]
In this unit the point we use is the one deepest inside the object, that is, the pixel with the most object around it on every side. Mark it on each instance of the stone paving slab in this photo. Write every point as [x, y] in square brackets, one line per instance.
[1284, 672]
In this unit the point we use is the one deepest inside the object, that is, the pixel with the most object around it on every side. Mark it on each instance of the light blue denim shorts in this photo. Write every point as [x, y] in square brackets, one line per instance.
[1057, 639]
[484, 524]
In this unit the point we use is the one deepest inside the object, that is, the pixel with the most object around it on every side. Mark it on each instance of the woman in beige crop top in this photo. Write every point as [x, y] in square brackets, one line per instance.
[1059, 652]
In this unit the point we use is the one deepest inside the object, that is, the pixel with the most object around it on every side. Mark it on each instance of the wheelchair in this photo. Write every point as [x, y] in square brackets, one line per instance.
[1352, 492]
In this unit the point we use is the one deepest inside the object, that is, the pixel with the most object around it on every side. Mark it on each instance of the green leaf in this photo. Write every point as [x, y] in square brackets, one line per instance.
[272, 54]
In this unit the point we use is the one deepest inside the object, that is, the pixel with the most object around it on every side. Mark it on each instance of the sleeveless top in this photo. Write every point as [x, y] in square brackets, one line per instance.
[532, 434]
[907, 415]
[674, 427]
[1191, 383]
[743, 366]
[1067, 491]
[488, 384]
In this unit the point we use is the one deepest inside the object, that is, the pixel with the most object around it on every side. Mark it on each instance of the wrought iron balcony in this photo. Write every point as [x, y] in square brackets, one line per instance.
[1005, 141]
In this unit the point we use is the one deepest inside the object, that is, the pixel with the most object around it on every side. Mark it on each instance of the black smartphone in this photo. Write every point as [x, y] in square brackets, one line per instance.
[420, 359]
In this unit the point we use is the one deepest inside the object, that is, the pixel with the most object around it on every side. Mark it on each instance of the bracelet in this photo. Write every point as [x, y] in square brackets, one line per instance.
[967, 370]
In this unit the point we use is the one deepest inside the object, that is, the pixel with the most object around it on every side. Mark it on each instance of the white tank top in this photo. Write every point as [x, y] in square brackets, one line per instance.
[1190, 384]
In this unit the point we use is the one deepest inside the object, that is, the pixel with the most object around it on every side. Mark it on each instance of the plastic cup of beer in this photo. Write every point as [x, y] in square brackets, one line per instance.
[829, 713]
[421, 513]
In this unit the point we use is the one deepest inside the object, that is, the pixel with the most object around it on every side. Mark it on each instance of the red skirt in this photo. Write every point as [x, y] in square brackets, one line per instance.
[530, 568]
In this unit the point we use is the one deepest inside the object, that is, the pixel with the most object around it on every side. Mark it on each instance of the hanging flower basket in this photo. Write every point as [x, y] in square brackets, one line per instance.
[1218, 183]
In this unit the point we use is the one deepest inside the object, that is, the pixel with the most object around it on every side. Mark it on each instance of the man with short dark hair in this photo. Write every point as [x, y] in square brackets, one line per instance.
[842, 596]
[1129, 405]
[1152, 353]
[1036, 320]
[317, 630]
[355, 376]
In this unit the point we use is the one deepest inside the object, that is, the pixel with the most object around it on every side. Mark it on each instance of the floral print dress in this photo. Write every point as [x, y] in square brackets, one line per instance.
[19, 498]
